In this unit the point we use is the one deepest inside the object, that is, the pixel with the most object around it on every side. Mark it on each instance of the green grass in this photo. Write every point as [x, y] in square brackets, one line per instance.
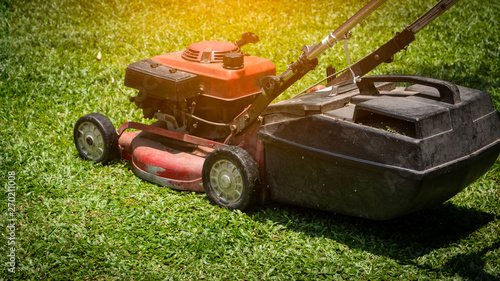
[82, 221]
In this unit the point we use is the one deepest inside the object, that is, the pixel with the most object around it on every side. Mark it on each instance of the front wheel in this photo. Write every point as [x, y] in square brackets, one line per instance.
[231, 178]
[96, 138]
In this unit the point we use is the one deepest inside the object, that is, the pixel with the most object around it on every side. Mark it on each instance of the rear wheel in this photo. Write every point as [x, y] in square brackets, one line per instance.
[96, 138]
[231, 178]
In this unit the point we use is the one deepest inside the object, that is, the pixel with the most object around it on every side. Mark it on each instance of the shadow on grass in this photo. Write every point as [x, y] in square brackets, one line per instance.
[403, 239]
[471, 265]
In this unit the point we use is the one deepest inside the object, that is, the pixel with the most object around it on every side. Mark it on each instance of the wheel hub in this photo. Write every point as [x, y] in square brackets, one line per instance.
[90, 140]
[226, 180]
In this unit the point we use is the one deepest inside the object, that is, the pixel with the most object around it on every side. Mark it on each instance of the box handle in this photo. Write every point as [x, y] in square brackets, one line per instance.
[448, 91]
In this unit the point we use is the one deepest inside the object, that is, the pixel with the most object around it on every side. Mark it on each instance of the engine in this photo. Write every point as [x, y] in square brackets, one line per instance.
[201, 89]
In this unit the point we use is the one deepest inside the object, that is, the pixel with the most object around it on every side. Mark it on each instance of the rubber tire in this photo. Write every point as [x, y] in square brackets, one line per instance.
[109, 138]
[246, 167]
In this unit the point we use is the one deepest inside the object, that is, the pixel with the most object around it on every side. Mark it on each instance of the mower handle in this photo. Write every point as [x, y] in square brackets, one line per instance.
[448, 91]
[308, 60]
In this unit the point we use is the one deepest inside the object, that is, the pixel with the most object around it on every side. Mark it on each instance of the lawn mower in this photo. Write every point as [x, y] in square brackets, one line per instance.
[360, 145]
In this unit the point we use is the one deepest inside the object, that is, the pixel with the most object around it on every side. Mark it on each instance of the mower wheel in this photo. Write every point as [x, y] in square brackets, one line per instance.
[96, 138]
[231, 178]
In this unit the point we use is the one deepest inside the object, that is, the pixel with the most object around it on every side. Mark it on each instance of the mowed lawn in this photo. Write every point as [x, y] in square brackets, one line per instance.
[62, 59]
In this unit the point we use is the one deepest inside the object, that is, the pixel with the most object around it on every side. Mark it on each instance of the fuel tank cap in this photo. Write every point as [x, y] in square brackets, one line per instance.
[233, 61]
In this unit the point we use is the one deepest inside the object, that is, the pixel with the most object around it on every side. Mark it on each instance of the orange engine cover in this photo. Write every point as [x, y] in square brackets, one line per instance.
[215, 80]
